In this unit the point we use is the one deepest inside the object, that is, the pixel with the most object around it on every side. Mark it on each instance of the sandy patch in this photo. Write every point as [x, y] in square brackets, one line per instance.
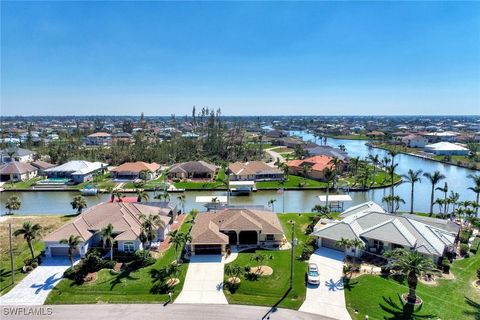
[262, 270]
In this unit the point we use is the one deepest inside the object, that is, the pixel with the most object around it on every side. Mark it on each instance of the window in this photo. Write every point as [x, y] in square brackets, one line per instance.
[378, 244]
[270, 237]
[128, 247]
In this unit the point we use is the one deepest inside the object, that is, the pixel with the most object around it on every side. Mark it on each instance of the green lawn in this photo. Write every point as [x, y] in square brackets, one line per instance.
[150, 184]
[131, 287]
[282, 149]
[291, 182]
[268, 291]
[216, 184]
[450, 299]
[22, 184]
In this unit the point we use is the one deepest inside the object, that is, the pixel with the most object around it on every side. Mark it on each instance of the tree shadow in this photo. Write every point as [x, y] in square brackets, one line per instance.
[273, 309]
[348, 284]
[402, 310]
[476, 307]
[125, 274]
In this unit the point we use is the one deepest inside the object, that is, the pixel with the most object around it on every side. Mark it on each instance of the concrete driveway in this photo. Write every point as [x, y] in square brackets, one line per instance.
[35, 287]
[204, 281]
[328, 298]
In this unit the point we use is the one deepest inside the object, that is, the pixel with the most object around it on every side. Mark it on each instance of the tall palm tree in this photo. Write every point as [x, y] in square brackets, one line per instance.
[375, 161]
[107, 238]
[142, 195]
[453, 199]
[30, 232]
[73, 242]
[445, 193]
[413, 265]
[355, 161]
[271, 203]
[322, 211]
[183, 199]
[328, 176]
[393, 202]
[79, 203]
[163, 196]
[13, 203]
[149, 226]
[391, 172]
[412, 177]
[434, 178]
[475, 188]
[385, 162]
[178, 239]
[393, 153]
[337, 164]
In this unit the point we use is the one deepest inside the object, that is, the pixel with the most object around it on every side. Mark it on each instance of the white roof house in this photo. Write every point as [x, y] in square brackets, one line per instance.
[446, 148]
[79, 167]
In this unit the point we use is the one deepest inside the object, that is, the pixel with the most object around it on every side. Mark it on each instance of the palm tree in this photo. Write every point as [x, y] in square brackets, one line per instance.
[413, 265]
[278, 163]
[72, 242]
[412, 177]
[355, 162]
[13, 203]
[271, 204]
[445, 192]
[344, 243]
[453, 199]
[391, 172]
[393, 153]
[393, 202]
[149, 226]
[434, 178]
[475, 188]
[233, 271]
[337, 165]
[178, 239]
[163, 196]
[143, 174]
[305, 171]
[79, 203]
[107, 238]
[385, 162]
[328, 176]
[183, 199]
[322, 211]
[30, 232]
[375, 161]
[141, 194]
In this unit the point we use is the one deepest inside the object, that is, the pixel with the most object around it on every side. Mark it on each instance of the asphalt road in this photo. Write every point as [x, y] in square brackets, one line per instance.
[151, 311]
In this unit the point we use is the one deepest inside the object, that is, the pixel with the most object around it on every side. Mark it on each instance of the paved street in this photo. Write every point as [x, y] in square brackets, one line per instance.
[204, 281]
[34, 288]
[154, 311]
[327, 299]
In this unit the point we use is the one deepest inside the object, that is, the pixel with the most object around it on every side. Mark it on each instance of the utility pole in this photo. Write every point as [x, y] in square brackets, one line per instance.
[291, 253]
[11, 252]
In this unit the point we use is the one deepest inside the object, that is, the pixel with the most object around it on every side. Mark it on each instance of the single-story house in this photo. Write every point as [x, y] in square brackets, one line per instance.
[77, 171]
[329, 151]
[213, 231]
[316, 166]
[42, 166]
[126, 221]
[193, 170]
[447, 149]
[448, 136]
[381, 231]
[254, 171]
[136, 170]
[415, 141]
[98, 139]
[16, 154]
[17, 171]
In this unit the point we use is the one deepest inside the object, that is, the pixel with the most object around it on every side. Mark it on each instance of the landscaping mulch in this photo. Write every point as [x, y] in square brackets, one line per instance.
[263, 271]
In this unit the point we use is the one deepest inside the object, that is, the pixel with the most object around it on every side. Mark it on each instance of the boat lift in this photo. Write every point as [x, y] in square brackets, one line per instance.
[335, 201]
[212, 202]
[241, 187]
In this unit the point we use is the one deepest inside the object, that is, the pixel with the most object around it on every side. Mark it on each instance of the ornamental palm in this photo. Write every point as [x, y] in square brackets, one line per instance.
[434, 178]
[475, 188]
[141, 194]
[385, 162]
[355, 162]
[412, 264]
[453, 199]
[73, 243]
[337, 164]
[445, 192]
[178, 239]
[271, 203]
[412, 177]
[13, 203]
[393, 153]
[233, 270]
[79, 203]
[107, 238]
[150, 224]
[375, 161]
[30, 232]
[183, 199]
[391, 172]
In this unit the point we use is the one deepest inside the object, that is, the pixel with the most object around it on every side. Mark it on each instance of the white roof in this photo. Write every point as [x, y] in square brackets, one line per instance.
[241, 183]
[78, 167]
[209, 199]
[335, 197]
[442, 134]
[445, 146]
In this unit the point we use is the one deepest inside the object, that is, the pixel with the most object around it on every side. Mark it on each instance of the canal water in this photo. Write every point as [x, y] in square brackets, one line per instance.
[53, 202]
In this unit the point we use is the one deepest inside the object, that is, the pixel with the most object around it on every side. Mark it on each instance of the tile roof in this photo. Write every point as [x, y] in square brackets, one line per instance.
[136, 167]
[317, 163]
[252, 167]
[193, 166]
[16, 167]
[42, 165]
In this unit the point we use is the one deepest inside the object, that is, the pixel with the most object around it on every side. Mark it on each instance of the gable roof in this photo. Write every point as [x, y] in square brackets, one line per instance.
[317, 163]
[16, 167]
[136, 167]
[193, 166]
[19, 152]
[252, 167]
[42, 165]
[391, 231]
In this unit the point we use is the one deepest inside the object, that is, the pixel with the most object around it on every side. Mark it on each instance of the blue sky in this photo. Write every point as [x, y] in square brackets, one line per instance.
[260, 58]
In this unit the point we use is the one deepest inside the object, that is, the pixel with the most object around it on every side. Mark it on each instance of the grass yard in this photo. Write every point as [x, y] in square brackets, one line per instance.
[218, 183]
[282, 149]
[450, 299]
[132, 287]
[22, 184]
[20, 247]
[268, 291]
[291, 182]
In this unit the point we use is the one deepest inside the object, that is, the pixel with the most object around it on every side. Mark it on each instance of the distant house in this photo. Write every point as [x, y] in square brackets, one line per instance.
[193, 170]
[446, 136]
[122, 137]
[136, 170]
[17, 171]
[77, 171]
[16, 154]
[447, 148]
[381, 231]
[415, 141]
[126, 221]
[42, 166]
[212, 232]
[253, 171]
[375, 134]
[328, 151]
[316, 166]
[98, 139]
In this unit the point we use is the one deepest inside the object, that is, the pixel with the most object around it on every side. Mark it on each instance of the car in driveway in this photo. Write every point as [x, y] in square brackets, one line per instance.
[313, 277]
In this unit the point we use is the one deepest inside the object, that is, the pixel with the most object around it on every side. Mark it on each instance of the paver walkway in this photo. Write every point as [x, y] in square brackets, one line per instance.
[34, 288]
[328, 298]
[204, 281]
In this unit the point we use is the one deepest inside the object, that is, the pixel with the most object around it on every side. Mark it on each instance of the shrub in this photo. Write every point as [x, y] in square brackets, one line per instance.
[307, 251]
[465, 236]
[69, 274]
[92, 262]
[247, 269]
[28, 268]
[30, 261]
[464, 249]
[109, 264]
[34, 264]
[446, 265]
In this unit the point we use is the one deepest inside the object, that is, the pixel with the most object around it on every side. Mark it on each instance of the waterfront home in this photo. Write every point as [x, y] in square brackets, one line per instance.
[326, 150]
[381, 231]
[17, 171]
[254, 171]
[445, 136]
[375, 134]
[213, 231]
[315, 166]
[136, 170]
[42, 166]
[192, 170]
[447, 149]
[16, 154]
[98, 139]
[415, 141]
[76, 171]
[125, 218]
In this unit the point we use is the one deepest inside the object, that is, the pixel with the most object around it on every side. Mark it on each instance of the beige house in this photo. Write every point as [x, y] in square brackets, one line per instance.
[17, 171]
[136, 170]
[126, 221]
[213, 231]
[253, 171]
[193, 170]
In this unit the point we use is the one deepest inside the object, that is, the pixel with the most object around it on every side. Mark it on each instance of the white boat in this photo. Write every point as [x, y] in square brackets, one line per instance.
[89, 191]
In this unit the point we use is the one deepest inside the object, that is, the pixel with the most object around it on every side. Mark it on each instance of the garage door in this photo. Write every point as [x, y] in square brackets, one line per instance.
[208, 249]
[331, 244]
[61, 251]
